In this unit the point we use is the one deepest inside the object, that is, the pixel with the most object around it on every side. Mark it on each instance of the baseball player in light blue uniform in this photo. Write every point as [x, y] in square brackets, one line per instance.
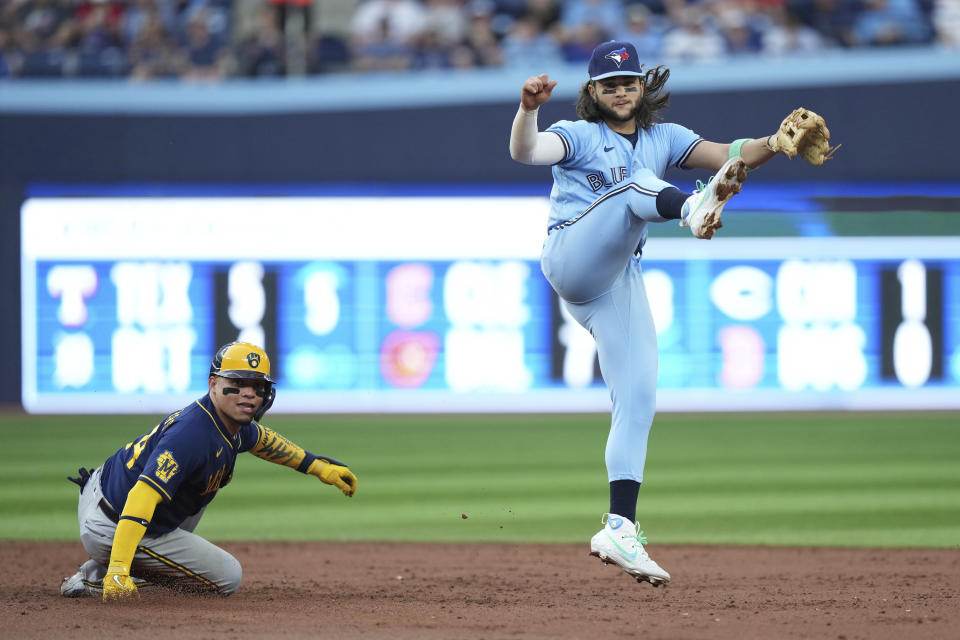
[607, 170]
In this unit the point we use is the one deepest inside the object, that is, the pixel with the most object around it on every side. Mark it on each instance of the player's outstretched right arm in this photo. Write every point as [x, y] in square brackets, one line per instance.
[272, 446]
[527, 144]
[334, 474]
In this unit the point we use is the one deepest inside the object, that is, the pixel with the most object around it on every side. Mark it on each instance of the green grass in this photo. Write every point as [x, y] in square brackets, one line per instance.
[846, 479]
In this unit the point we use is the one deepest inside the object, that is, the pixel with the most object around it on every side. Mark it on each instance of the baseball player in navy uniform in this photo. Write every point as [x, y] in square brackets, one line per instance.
[138, 511]
[608, 185]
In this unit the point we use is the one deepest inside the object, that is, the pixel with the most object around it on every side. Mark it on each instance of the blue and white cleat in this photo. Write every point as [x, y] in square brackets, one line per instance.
[620, 542]
[701, 212]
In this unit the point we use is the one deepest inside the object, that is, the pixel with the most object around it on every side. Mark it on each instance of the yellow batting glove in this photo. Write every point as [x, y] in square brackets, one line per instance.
[336, 475]
[118, 585]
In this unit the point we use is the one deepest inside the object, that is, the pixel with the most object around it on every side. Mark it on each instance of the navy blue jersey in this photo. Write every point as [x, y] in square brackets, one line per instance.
[186, 458]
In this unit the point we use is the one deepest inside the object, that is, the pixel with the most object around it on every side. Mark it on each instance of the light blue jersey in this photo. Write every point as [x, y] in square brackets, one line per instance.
[598, 159]
[604, 195]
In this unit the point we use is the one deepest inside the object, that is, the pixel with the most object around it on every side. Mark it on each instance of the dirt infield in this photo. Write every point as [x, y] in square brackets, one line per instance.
[419, 591]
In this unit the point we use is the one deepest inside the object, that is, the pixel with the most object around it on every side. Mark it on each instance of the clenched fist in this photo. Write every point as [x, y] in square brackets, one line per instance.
[536, 90]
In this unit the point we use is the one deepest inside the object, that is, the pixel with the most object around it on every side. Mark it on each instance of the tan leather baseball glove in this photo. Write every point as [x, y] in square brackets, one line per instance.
[803, 133]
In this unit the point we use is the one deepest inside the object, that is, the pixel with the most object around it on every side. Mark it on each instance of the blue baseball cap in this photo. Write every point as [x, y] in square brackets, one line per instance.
[614, 59]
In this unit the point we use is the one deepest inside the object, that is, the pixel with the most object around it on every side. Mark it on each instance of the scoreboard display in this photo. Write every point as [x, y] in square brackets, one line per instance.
[437, 304]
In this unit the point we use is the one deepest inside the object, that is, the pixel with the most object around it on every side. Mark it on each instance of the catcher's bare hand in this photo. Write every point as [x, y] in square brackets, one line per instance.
[118, 585]
[335, 475]
[536, 90]
[803, 133]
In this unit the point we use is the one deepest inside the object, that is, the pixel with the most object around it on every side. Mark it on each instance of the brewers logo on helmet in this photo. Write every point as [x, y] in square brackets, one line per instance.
[245, 360]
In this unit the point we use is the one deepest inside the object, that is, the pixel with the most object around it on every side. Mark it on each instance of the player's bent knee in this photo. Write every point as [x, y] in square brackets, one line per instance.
[230, 579]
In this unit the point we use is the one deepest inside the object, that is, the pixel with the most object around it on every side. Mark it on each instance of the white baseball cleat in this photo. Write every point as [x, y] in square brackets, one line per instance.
[701, 212]
[620, 542]
[74, 587]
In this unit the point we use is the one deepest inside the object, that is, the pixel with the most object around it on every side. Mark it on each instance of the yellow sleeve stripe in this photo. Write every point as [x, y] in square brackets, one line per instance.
[147, 480]
[214, 421]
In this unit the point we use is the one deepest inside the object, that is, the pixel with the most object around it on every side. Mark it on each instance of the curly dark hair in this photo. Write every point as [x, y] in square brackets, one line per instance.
[652, 102]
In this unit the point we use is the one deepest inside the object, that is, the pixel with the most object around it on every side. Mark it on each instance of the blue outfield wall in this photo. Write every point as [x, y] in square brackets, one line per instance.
[892, 113]
[460, 143]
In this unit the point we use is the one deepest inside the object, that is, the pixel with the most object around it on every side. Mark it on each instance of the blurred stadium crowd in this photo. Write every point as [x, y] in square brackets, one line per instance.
[215, 39]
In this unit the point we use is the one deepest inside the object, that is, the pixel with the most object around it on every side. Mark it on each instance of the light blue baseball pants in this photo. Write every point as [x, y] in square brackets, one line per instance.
[590, 263]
